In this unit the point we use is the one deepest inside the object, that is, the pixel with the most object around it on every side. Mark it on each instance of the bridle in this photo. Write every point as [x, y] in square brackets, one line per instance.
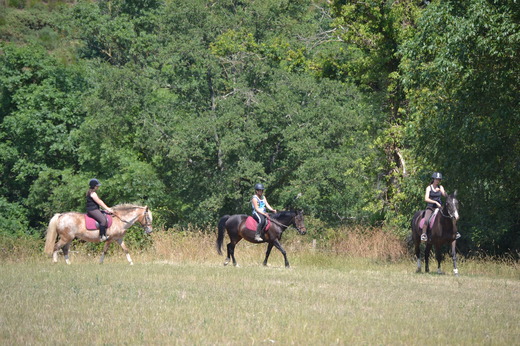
[147, 224]
[285, 226]
[449, 216]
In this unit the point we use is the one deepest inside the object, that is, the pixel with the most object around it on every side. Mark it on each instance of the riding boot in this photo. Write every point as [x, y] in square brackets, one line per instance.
[258, 234]
[102, 233]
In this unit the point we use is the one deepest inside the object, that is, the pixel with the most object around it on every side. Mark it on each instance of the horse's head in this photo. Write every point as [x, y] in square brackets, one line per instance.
[298, 222]
[452, 204]
[146, 220]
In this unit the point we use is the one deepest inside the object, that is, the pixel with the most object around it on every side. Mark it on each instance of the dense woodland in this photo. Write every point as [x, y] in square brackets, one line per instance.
[341, 108]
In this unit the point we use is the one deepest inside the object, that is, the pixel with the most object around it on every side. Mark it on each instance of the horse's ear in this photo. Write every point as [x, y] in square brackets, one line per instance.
[455, 194]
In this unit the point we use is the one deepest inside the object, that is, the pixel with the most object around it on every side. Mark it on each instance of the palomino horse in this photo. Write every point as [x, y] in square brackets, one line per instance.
[443, 231]
[236, 229]
[72, 225]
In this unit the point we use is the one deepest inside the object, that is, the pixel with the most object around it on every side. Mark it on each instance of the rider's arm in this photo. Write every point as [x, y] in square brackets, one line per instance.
[100, 202]
[269, 206]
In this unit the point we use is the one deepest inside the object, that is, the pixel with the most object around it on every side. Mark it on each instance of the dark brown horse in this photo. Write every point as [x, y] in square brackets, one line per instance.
[236, 229]
[443, 231]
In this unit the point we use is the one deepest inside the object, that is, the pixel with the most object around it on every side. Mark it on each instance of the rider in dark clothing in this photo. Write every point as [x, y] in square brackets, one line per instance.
[432, 197]
[93, 208]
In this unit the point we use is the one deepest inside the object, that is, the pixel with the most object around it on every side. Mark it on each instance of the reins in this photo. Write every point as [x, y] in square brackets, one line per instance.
[446, 216]
[146, 223]
[278, 223]
[119, 217]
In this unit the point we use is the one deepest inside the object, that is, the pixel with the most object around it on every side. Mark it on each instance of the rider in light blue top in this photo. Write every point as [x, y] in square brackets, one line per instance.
[260, 205]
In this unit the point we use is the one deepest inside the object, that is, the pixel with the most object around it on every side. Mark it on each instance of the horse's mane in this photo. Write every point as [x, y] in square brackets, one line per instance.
[126, 206]
[283, 213]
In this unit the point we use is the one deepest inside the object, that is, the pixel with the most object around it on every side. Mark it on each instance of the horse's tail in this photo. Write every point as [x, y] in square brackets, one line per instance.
[50, 238]
[221, 230]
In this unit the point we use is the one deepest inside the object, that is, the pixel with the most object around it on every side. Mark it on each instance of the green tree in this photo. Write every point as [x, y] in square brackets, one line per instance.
[41, 108]
[462, 70]
[373, 32]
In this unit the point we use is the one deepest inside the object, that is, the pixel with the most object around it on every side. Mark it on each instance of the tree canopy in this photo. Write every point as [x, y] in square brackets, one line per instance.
[342, 108]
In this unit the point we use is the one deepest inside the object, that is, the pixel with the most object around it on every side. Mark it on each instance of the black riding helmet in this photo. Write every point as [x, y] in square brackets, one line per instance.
[93, 183]
[437, 175]
[259, 187]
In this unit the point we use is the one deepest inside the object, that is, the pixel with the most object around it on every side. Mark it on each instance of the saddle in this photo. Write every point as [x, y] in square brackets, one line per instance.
[92, 224]
[251, 224]
[430, 221]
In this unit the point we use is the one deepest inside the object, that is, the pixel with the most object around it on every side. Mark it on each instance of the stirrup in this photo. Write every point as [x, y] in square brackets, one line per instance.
[424, 237]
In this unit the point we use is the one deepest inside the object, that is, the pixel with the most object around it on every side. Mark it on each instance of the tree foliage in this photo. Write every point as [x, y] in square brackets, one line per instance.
[462, 72]
[341, 108]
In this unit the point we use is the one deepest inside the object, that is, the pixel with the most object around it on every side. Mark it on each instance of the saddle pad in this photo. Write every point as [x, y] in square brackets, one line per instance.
[251, 224]
[432, 219]
[92, 224]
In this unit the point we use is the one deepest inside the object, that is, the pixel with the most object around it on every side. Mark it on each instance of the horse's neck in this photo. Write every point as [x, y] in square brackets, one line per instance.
[446, 221]
[130, 217]
[285, 218]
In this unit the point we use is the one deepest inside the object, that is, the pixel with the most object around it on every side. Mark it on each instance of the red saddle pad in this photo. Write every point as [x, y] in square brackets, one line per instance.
[251, 224]
[93, 224]
[432, 219]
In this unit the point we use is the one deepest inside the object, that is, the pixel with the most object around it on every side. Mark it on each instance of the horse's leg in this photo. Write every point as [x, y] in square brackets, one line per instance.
[277, 244]
[417, 243]
[438, 257]
[454, 256]
[125, 249]
[231, 254]
[66, 253]
[230, 248]
[268, 252]
[105, 249]
[60, 244]
[427, 249]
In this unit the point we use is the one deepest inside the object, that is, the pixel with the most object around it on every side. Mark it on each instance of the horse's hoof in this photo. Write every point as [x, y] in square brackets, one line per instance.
[226, 262]
[418, 270]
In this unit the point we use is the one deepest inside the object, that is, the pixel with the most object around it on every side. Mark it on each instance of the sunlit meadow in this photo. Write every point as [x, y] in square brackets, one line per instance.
[178, 292]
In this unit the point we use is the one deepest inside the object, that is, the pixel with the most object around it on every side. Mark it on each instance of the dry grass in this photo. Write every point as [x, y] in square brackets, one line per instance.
[374, 243]
[367, 247]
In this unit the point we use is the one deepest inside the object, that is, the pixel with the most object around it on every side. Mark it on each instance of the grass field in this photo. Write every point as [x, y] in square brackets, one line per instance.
[179, 293]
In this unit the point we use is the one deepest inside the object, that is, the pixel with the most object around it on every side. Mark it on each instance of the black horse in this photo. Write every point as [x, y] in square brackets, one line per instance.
[236, 229]
[443, 231]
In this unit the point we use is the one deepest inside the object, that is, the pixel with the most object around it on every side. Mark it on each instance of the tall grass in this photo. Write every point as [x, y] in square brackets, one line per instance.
[366, 246]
